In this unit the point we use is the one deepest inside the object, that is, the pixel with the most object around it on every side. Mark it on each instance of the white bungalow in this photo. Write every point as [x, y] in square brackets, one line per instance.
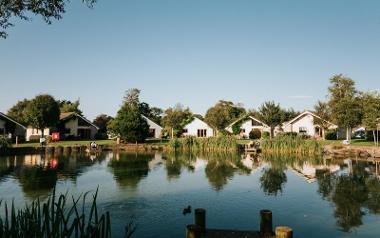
[198, 128]
[10, 127]
[249, 124]
[154, 129]
[71, 124]
[304, 124]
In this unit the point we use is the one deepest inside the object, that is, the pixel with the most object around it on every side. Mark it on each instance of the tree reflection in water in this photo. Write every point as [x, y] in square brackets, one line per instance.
[352, 194]
[128, 169]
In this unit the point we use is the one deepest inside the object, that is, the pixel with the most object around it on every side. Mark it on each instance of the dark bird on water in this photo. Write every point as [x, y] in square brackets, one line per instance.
[186, 210]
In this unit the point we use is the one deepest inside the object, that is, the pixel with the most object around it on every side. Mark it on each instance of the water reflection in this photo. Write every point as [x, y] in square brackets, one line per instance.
[352, 187]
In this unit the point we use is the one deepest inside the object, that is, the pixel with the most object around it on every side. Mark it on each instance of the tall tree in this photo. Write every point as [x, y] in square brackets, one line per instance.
[101, 121]
[223, 113]
[19, 111]
[129, 123]
[175, 118]
[323, 111]
[68, 106]
[43, 112]
[371, 113]
[344, 103]
[22, 9]
[271, 114]
[288, 114]
[153, 113]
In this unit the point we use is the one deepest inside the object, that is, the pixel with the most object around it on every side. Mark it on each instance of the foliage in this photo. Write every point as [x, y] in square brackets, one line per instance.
[255, 134]
[42, 112]
[153, 113]
[223, 113]
[271, 114]
[47, 9]
[323, 111]
[210, 144]
[272, 181]
[129, 123]
[4, 143]
[330, 135]
[289, 144]
[289, 114]
[101, 121]
[371, 113]
[19, 111]
[236, 128]
[344, 102]
[68, 106]
[176, 118]
[54, 218]
[265, 135]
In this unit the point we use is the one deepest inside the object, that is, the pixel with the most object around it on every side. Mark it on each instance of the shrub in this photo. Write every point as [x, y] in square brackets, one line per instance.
[219, 143]
[255, 134]
[101, 136]
[4, 143]
[330, 135]
[265, 135]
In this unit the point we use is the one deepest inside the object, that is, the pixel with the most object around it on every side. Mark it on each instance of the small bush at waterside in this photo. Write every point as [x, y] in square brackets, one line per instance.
[219, 143]
[54, 218]
[288, 144]
[4, 143]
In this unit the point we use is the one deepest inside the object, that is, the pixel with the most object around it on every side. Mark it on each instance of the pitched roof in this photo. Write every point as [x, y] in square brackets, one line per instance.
[303, 114]
[67, 115]
[146, 118]
[12, 120]
[246, 117]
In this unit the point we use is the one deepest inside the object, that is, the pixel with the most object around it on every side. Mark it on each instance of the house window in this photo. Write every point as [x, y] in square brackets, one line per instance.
[185, 130]
[152, 132]
[2, 131]
[242, 131]
[202, 132]
[302, 130]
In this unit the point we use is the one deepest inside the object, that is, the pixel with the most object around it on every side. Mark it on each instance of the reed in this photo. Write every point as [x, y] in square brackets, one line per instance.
[210, 144]
[291, 145]
[54, 218]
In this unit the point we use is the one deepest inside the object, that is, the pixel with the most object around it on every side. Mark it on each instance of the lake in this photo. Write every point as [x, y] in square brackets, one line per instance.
[316, 197]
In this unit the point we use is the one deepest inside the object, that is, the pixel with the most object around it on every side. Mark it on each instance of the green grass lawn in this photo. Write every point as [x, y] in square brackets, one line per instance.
[354, 142]
[68, 143]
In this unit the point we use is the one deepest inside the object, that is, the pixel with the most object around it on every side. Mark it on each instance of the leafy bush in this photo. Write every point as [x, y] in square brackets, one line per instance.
[4, 143]
[330, 135]
[265, 135]
[255, 134]
[101, 136]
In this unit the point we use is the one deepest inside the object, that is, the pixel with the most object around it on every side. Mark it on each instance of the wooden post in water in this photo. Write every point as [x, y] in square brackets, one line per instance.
[284, 232]
[200, 218]
[193, 231]
[16, 141]
[266, 225]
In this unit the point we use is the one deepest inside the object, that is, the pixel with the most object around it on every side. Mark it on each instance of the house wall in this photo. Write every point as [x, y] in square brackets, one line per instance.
[193, 127]
[32, 132]
[2, 125]
[73, 126]
[248, 126]
[157, 128]
[307, 122]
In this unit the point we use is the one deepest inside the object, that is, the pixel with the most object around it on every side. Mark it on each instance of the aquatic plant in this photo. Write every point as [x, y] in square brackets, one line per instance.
[289, 144]
[54, 218]
[210, 144]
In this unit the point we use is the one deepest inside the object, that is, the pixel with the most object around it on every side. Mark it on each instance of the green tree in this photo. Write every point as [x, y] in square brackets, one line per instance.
[175, 118]
[271, 114]
[288, 114]
[43, 112]
[101, 121]
[19, 111]
[223, 113]
[153, 113]
[68, 106]
[344, 103]
[22, 9]
[129, 123]
[323, 111]
[371, 113]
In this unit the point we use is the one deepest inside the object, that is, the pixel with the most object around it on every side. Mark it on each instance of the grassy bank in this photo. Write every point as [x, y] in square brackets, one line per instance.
[354, 142]
[68, 143]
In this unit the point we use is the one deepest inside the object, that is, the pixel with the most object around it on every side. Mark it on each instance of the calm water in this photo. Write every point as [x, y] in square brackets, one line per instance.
[318, 198]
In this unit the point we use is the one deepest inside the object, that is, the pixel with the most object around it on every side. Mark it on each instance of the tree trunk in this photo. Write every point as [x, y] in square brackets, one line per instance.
[374, 138]
[348, 135]
[271, 132]
[377, 137]
[323, 134]
[172, 133]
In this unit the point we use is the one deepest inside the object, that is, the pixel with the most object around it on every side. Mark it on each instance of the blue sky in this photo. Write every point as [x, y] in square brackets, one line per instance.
[193, 52]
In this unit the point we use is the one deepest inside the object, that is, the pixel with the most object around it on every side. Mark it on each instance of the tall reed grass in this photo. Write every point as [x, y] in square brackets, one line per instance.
[291, 145]
[54, 218]
[210, 144]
